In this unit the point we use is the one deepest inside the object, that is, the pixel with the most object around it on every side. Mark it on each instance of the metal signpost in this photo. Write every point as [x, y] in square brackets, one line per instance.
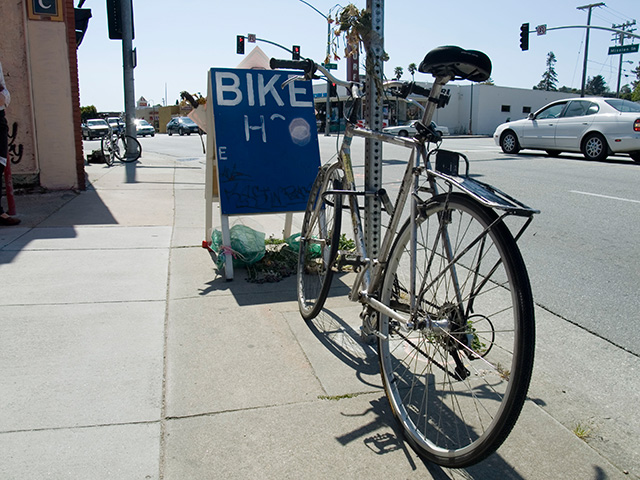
[374, 118]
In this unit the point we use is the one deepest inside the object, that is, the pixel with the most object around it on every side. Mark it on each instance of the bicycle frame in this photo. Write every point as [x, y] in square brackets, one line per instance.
[371, 273]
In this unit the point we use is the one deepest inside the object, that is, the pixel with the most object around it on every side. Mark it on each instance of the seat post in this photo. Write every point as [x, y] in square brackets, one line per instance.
[432, 101]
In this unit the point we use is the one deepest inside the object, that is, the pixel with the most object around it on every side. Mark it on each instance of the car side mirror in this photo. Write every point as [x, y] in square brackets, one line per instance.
[530, 116]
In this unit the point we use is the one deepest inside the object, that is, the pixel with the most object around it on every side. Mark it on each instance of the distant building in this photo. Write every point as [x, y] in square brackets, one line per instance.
[473, 109]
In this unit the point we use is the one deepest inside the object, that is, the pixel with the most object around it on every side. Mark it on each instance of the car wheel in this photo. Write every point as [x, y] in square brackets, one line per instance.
[181, 132]
[403, 133]
[509, 142]
[594, 147]
[153, 134]
[554, 153]
[635, 157]
[169, 132]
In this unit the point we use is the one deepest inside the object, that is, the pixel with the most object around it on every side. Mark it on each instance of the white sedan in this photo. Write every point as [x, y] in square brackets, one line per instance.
[596, 127]
[409, 129]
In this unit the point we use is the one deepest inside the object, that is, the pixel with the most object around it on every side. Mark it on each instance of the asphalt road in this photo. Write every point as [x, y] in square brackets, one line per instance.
[582, 251]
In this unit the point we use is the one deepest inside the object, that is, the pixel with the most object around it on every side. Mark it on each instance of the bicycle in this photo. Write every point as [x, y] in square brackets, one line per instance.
[448, 299]
[115, 145]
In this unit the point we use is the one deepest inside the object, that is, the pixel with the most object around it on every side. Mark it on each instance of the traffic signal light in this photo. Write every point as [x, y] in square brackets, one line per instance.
[240, 44]
[524, 37]
[333, 90]
[295, 53]
[114, 19]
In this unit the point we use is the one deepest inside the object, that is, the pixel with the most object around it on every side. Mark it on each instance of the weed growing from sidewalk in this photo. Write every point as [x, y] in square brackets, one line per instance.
[279, 261]
[582, 431]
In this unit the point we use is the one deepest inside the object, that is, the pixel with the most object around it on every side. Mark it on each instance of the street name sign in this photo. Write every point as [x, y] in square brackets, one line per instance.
[624, 49]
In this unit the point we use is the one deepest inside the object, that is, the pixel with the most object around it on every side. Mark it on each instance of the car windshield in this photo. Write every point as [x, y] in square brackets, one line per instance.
[96, 123]
[623, 105]
[187, 121]
[142, 123]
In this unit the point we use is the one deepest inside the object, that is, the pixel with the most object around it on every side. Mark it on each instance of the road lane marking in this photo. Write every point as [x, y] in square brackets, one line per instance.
[605, 196]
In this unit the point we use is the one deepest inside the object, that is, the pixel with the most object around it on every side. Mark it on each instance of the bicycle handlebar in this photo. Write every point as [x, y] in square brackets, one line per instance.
[307, 65]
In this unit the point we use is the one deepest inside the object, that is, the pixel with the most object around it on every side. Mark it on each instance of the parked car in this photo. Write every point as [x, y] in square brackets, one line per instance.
[94, 128]
[182, 125]
[116, 124]
[144, 128]
[596, 127]
[409, 129]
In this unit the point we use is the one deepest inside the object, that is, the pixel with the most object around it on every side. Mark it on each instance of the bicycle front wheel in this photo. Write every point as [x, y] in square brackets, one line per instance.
[108, 145]
[128, 148]
[458, 374]
[319, 240]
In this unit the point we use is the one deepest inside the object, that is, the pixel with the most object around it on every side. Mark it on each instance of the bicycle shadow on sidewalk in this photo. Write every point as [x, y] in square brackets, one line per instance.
[343, 341]
[383, 443]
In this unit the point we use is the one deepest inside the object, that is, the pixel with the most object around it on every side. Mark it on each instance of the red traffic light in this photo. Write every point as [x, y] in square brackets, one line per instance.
[240, 44]
[295, 52]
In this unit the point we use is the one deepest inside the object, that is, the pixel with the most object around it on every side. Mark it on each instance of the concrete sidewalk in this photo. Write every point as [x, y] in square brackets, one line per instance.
[125, 355]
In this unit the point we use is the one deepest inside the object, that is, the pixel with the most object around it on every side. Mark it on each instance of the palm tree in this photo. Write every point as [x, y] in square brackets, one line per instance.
[412, 70]
[398, 72]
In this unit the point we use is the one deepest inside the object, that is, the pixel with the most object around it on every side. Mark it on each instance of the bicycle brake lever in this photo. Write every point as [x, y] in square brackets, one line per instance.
[292, 79]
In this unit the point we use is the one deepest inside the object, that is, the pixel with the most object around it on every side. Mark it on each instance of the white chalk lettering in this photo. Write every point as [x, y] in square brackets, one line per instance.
[232, 88]
[263, 90]
[250, 95]
[248, 128]
[293, 91]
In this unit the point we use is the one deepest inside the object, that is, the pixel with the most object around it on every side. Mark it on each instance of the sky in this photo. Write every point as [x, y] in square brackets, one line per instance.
[177, 41]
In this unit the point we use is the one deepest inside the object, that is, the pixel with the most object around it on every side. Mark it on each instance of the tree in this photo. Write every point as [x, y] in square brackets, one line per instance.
[596, 86]
[635, 95]
[88, 112]
[636, 82]
[412, 69]
[549, 77]
[398, 72]
[625, 92]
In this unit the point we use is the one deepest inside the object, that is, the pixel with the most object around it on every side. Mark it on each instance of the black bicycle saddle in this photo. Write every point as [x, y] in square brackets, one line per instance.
[457, 63]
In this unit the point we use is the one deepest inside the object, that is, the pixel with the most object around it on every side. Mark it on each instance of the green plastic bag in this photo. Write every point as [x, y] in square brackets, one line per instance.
[247, 246]
[294, 243]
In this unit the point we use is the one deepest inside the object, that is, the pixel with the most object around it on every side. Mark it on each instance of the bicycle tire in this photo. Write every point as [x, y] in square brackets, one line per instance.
[107, 147]
[319, 238]
[122, 150]
[457, 393]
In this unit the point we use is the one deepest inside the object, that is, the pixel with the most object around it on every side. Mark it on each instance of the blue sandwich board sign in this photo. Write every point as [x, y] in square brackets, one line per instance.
[266, 140]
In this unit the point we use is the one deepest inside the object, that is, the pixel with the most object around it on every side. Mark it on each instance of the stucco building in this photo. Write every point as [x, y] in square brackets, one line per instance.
[38, 55]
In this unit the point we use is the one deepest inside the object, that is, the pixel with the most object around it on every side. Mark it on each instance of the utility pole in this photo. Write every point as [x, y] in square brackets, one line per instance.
[586, 46]
[620, 38]
[128, 64]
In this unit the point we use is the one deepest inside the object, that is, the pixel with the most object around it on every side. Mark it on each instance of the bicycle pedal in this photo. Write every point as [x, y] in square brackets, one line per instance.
[350, 259]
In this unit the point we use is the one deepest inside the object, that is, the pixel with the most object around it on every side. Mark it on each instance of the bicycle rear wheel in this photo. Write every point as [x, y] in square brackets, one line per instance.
[123, 143]
[319, 240]
[457, 387]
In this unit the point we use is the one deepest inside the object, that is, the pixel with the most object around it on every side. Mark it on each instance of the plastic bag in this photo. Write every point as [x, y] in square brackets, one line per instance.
[247, 246]
[294, 243]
